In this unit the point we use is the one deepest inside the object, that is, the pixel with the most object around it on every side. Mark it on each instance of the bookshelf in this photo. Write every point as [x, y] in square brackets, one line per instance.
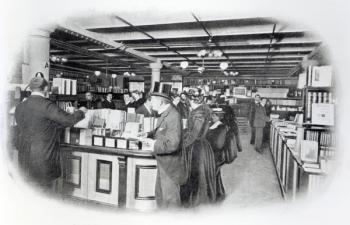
[99, 86]
[304, 158]
[223, 82]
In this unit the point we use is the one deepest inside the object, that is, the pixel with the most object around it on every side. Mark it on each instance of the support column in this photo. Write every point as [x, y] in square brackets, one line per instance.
[36, 55]
[155, 73]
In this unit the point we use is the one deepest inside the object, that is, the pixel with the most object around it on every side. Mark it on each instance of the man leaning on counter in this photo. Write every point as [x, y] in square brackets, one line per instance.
[40, 122]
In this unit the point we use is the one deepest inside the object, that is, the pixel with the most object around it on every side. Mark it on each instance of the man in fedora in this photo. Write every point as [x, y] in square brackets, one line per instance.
[40, 122]
[167, 148]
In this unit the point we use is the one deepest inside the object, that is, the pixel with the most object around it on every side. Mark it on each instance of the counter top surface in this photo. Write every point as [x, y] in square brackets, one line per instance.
[106, 150]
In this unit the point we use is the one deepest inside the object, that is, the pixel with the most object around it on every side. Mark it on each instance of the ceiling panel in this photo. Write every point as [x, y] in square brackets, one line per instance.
[252, 46]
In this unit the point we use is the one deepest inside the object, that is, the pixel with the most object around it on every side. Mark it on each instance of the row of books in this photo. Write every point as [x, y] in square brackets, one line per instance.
[286, 108]
[319, 76]
[116, 120]
[325, 138]
[327, 152]
[290, 102]
[63, 86]
[319, 97]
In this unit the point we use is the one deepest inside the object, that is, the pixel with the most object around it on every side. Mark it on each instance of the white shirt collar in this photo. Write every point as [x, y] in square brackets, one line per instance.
[163, 108]
[215, 125]
[36, 93]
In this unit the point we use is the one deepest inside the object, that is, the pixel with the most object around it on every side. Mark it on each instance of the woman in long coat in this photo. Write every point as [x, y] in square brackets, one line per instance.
[201, 185]
[217, 139]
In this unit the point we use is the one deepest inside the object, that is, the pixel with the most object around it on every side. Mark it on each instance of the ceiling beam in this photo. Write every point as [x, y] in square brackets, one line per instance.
[76, 30]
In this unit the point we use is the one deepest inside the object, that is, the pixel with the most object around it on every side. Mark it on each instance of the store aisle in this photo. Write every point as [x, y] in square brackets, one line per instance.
[251, 179]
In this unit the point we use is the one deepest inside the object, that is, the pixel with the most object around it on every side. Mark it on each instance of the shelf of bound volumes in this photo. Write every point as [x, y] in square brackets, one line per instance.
[104, 161]
[302, 157]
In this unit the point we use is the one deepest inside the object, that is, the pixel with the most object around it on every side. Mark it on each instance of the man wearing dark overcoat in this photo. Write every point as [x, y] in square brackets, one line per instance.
[167, 150]
[40, 123]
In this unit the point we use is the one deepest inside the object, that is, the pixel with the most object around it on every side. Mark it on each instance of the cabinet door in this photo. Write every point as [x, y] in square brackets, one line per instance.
[74, 179]
[141, 181]
[103, 183]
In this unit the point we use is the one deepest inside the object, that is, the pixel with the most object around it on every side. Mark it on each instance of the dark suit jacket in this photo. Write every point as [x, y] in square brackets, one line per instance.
[40, 123]
[144, 111]
[260, 117]
[167, 147]
[88, 104]
[252, 114]
[108, 105]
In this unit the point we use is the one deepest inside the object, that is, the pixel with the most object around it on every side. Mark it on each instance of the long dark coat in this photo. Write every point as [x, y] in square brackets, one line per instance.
[217, 140]
[40, 123]
[167, 147]
[201, 185]
[167, 150]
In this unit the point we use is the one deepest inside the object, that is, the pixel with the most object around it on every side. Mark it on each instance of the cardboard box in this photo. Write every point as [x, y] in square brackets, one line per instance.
[110, 142]
[122, 143]
[134, 144]
[98, 141]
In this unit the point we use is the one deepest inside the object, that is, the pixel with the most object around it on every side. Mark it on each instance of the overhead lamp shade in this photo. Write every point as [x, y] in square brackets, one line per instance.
[97, 73]
[184, 64]
[114, 75]
[217, 53]
[223, 65]
[126, 74]
[202, 53]
[64, 60]
[53, 58]
[201, 69]
[133, 74]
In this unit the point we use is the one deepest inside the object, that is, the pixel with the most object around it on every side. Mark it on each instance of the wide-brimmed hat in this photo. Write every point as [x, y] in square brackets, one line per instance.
[162, 90]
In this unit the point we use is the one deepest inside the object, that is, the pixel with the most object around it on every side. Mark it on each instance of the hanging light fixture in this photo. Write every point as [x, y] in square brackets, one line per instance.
[184, 64]
[114, 75]
[201, 69]
[58, 59]
[209, 53]
[223, 65]
[97, 73]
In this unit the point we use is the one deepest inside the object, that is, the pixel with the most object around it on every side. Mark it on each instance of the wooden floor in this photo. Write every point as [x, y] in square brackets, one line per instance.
[251, 179]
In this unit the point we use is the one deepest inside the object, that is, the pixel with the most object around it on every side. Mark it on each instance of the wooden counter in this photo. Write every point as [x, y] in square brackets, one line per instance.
[119, 177]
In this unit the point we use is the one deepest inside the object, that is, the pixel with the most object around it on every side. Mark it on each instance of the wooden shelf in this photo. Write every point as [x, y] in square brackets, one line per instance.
[287, 98]
[56, 97]
[319, 88]
[292, 106]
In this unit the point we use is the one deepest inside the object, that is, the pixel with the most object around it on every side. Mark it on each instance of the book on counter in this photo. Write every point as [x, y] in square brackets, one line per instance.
[309, 151]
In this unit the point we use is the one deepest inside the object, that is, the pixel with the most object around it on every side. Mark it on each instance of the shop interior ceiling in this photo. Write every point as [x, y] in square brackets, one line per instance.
[253, 47]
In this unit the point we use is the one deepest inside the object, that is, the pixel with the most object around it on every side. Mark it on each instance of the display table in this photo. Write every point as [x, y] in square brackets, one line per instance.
[119, 177]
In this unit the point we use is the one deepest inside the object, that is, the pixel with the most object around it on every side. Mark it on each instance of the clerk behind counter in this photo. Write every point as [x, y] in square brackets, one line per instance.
[89, 102]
